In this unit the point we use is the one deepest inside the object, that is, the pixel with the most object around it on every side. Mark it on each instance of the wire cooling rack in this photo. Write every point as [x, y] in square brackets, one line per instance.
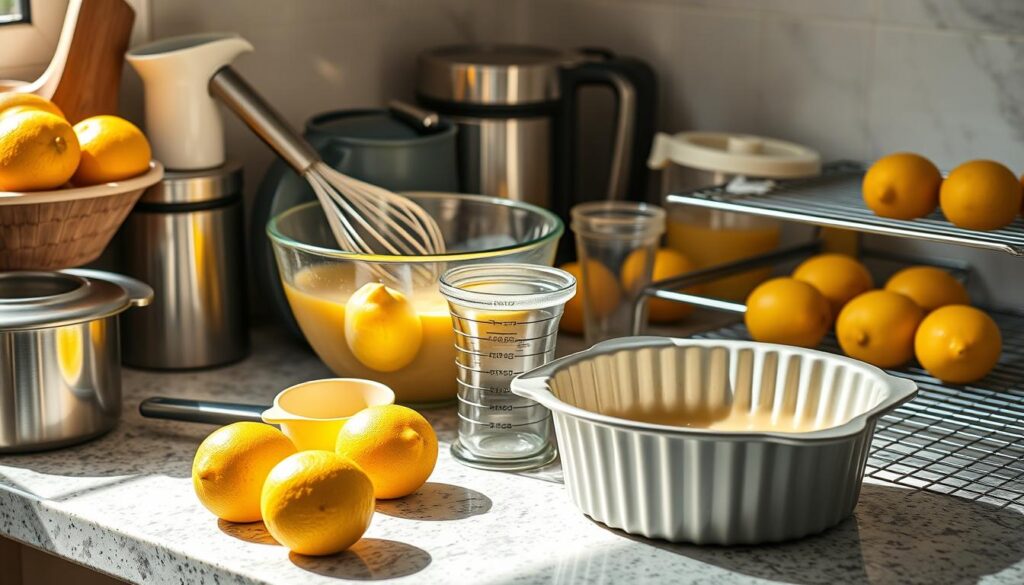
[834, 200]
[966, 441]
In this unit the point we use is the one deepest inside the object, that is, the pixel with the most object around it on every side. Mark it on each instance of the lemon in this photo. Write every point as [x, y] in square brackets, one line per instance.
[599, 285]
[929, 287]
[382, 328]
[958, 344]
[113, 149]
[11, 102]
[902, 186]
[231, 464]
[836, 276]
[786, 310]
[878, 327]
[981, 195]
[38, 151]
[667, 263]
[395, 445]
[317, 503]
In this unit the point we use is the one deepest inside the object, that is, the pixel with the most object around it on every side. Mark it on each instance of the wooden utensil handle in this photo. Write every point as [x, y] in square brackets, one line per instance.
[90, 80]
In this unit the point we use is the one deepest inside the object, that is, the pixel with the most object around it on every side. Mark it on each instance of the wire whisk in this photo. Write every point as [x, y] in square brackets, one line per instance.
[364, 218]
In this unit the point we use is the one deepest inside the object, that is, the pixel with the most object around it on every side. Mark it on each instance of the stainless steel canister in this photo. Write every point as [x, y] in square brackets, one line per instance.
[60, 361]
[517, 109]
[185, 238]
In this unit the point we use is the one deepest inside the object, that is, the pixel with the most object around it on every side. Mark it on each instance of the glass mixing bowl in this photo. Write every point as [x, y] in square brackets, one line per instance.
[418, 363]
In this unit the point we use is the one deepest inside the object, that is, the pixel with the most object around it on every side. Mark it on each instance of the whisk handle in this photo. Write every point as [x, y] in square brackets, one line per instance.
[227, 85]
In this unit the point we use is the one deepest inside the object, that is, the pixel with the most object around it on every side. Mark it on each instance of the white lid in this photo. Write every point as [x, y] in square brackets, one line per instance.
[736, 154]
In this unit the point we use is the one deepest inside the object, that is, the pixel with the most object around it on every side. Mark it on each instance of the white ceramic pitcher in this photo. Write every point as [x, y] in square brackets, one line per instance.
[182, 120]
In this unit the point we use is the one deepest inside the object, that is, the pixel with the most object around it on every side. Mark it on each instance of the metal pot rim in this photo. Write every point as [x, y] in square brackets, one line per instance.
[78, 296]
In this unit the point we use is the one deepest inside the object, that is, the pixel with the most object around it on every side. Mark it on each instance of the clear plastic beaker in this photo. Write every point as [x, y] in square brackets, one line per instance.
[505, 318]
[615, 243]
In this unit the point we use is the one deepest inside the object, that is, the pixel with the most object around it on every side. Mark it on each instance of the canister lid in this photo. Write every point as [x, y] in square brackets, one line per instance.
[32, 300]
[735, 154]
[202, 186]
[508, 75]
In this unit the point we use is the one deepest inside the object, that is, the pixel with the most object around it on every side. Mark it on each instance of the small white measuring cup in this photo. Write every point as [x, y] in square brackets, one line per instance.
[310, 413]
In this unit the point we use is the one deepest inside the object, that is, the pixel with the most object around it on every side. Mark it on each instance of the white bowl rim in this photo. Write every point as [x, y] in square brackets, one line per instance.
[535, 386]
[138, 182]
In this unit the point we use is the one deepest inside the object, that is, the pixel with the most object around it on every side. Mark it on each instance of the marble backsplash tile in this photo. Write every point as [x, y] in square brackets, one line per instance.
[997, 16]
[952, 97]
[813, 84]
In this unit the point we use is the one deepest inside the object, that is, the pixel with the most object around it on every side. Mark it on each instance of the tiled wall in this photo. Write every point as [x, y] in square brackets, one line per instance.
[318, 55]
[852, 78]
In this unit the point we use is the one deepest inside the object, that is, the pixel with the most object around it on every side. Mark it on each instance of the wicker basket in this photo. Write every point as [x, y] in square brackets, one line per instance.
[50, 230]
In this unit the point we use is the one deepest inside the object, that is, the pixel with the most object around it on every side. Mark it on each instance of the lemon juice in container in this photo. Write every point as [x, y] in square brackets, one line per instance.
[692, 160]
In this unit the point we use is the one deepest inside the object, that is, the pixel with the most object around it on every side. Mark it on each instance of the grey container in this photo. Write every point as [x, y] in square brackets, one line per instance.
[710, 486]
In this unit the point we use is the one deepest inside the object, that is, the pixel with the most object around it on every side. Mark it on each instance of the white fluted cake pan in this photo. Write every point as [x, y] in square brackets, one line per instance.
[713, 441]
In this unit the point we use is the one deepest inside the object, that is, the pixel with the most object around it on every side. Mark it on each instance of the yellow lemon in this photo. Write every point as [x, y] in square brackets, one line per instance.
[667, 263]
[395, 445]
[113, 149]
[38, 151]
[878, 327]
[958, 344]
[382, 328]
[786, 310]
[902, 186]
[981, 195]
[600, 286]
[317, 503]
[929, 287]
[11, 102]
[231, 464]
[836, 276]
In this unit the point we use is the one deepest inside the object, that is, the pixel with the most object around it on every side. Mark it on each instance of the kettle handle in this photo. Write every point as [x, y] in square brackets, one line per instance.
[635, 87]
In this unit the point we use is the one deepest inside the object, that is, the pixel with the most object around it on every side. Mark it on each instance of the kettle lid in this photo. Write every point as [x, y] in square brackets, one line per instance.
[508, 75]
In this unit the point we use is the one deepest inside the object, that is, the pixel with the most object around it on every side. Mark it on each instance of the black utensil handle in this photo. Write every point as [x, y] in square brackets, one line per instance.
[200, 411]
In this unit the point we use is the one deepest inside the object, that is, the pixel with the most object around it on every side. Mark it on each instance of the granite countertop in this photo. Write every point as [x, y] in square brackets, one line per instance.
[124, 505]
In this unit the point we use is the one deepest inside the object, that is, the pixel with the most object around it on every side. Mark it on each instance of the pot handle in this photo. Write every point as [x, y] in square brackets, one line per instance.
[200, 411]
[139, 293]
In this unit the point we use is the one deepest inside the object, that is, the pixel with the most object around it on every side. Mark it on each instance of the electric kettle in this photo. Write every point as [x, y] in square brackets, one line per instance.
[517, 108]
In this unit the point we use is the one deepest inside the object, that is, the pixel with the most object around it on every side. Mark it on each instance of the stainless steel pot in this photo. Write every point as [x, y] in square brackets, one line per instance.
[60, 357]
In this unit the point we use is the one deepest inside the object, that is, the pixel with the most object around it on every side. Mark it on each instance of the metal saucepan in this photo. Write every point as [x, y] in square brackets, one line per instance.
[60, 355]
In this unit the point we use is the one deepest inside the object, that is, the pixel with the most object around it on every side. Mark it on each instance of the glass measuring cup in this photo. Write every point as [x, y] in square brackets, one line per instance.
[505, 318]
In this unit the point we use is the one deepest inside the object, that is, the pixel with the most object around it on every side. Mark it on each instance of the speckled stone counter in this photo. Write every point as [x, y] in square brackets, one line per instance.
[124, 505]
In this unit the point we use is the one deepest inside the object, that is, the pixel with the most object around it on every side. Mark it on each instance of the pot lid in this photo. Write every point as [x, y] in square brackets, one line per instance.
[735, 154]
[508, 75]
[32, 300]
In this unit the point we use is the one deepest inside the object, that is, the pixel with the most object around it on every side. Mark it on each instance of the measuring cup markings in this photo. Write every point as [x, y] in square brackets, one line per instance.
[503, 425]
[501, 337]
[505, 323]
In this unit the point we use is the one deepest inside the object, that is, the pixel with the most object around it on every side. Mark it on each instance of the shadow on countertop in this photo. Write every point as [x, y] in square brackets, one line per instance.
[437, 501]
[370, 559]
[895, 536]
